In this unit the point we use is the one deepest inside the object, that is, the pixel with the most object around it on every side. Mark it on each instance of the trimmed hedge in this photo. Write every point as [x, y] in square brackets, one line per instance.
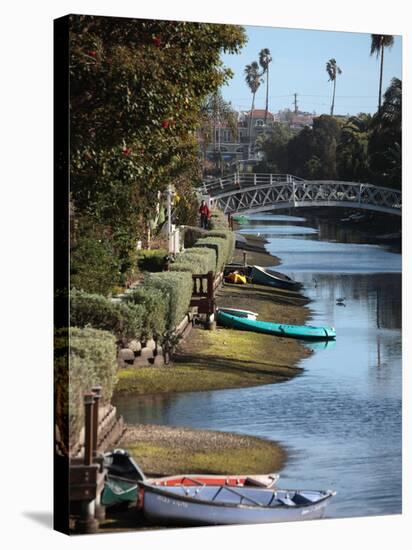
[195, 260]
[221, 247]
[177, 288]
[92, 363]
[191, 234]
[155, 310]
[231, 238]
[218, 220]
[125, 321]
[152, 260]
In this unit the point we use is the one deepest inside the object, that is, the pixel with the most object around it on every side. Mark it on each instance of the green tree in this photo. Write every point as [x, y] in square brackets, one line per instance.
[326, 136]
[264, 61]
[333, 70]
[136, 90]
[352, 149]
[253, 80]
[378, 44]
[273, 145]
[385, 141]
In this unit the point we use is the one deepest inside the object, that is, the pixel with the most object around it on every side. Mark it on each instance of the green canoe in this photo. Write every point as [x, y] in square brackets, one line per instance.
[117, 490]
[240, 219]
[290, 331]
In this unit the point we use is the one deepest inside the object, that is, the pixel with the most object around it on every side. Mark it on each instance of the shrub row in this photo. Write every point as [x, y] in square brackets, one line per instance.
[230, 236]
[195, 260]
[152, 260]
[218, 220]
[154, 305]
[125, 321]
[92, 362]
[220, 245]
[177, 288]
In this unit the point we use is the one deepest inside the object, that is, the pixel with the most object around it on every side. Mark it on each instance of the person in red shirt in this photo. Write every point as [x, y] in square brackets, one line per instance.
[204, 215]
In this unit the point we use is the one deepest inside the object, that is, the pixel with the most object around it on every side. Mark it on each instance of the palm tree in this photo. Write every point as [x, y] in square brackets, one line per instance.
[264, 61]
[378, 44]
[252, 78]
[333, 70]
[391, 110]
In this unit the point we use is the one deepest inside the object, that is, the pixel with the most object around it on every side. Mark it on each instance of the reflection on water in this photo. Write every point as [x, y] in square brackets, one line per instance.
[341, 419]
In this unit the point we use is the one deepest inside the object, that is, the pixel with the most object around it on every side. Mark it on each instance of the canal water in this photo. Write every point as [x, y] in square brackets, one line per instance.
[340, 421]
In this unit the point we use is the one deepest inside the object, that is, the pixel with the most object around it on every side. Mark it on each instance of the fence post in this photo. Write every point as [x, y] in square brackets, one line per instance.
[254, 179]
[87, 522]
[211, 323]
[360, 193]
[96, 390]
[88, 428]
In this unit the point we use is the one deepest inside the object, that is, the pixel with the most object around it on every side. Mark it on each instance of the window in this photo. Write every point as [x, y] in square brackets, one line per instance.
[259, 122]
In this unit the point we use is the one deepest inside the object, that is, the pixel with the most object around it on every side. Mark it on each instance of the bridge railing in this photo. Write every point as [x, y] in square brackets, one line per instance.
[241, 180]
[266, 195]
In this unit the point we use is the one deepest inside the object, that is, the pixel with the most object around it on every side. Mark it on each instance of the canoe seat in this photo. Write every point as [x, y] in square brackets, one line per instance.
[260, 481]
[286, 500]
[299, 499]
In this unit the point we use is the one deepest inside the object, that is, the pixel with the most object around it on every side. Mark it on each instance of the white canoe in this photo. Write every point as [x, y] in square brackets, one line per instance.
[226, 505]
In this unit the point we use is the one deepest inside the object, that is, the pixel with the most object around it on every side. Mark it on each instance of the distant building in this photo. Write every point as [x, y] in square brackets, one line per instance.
[241, 147]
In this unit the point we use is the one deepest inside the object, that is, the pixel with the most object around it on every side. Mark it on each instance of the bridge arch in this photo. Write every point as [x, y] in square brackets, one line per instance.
[252, 193]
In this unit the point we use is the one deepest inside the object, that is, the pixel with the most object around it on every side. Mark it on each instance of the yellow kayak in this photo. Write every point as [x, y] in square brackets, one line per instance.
[236, 278]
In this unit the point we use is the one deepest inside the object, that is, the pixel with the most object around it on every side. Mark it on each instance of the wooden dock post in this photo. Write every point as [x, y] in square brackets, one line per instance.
[99, 510]
[211, 322]
[87, 522]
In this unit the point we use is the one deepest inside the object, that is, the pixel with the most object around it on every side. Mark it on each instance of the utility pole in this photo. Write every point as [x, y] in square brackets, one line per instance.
[169, 194]
[296, 103]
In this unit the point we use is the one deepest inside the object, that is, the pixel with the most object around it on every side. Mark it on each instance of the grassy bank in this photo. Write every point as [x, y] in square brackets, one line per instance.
[224, 358]
[161, 450]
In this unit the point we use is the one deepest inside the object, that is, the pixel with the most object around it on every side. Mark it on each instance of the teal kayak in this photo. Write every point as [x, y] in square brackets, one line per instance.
[277, 329]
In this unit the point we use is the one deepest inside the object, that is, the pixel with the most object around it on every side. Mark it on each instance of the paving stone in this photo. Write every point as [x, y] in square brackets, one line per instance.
[151, 344]
[126, 354]
[141, 362]
[146, 353]
[135, 346]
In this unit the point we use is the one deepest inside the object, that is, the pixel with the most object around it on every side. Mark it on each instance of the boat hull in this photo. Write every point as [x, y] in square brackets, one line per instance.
[277, 329]
[164, 508]
[118, 491]
[261, 276]
[239, 312]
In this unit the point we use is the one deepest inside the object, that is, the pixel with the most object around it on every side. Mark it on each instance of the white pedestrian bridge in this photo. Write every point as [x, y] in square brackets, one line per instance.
[251, 193]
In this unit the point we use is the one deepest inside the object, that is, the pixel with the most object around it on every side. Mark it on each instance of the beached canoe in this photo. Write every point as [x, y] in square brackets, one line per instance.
[277, 329]
[121, 485]
[205, 504]
[118, 491]
[262, 276]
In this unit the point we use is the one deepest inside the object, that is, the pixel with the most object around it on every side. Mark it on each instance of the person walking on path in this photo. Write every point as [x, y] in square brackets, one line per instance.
[204, 215]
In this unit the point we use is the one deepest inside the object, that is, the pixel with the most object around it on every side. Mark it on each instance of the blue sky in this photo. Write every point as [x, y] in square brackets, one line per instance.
[299, 65]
